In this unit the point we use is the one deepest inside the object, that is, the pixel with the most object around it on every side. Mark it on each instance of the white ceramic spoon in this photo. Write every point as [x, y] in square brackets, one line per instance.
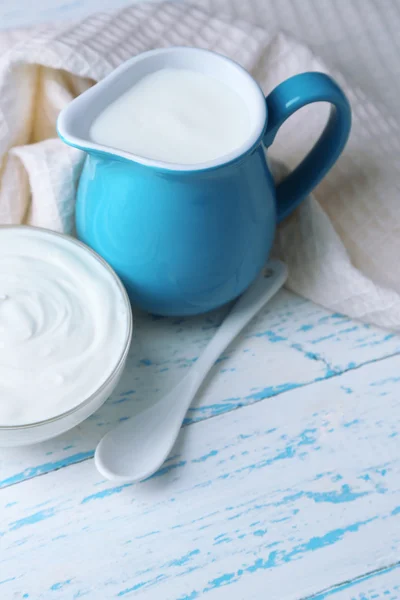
[135, 449]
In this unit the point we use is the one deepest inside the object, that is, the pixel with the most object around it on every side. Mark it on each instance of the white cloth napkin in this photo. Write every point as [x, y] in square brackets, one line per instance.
[342, 246]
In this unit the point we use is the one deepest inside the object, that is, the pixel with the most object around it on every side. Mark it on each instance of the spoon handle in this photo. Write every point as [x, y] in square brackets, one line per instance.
[135, 449]
[251, 302]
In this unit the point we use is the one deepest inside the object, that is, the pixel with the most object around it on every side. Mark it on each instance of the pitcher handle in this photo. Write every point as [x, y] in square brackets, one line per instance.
[282, 102]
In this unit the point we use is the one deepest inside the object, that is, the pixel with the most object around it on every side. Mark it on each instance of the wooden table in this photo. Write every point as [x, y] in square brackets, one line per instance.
[284, 483]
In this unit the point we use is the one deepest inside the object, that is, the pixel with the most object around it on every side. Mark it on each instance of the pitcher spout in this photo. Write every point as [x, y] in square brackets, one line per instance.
[75, 120]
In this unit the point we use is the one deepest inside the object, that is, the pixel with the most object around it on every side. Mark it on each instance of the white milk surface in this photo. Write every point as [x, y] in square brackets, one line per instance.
[176, 116]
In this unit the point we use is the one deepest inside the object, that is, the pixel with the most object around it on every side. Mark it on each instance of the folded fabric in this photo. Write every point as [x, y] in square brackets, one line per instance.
[341, 245]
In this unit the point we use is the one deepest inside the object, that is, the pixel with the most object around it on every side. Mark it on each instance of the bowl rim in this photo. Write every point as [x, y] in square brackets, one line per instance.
[129, 329]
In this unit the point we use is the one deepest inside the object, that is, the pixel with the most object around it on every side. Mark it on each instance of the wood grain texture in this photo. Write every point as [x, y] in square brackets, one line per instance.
[383, 584]
[290, 344]
[296, 493]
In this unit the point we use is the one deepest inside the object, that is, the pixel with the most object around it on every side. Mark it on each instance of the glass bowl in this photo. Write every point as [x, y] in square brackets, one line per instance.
[31, 433]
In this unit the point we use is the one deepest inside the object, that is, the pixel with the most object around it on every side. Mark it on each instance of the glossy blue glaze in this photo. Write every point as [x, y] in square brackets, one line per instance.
[288, 97]
[182, 242]
[187, 241]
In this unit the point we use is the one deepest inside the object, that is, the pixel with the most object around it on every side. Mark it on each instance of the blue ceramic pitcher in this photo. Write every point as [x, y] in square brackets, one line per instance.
[188, 238]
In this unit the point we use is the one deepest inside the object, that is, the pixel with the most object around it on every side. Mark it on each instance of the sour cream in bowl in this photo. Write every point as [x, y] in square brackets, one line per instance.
[65, 332]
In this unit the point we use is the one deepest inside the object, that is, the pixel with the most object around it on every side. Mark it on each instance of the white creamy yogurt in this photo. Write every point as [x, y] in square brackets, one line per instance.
[177, 116]
[64, 324]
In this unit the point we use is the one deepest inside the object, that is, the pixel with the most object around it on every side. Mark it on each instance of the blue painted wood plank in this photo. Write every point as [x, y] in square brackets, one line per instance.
[292, 495]
[383, 584]
[292, 343]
